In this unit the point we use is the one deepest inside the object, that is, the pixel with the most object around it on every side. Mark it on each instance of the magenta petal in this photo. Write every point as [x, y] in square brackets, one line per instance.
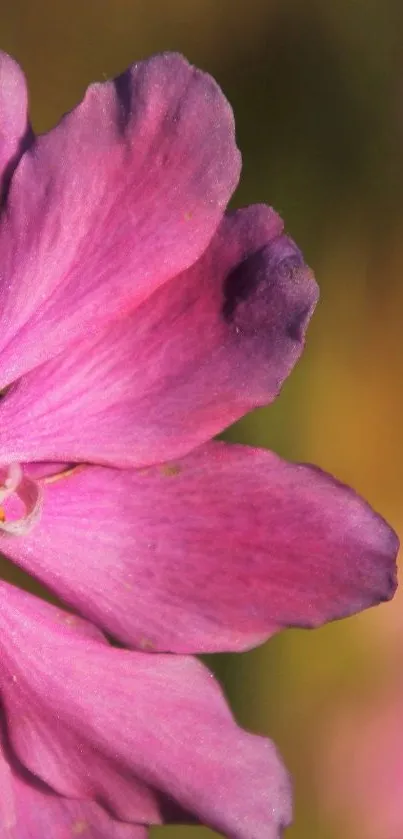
[122, 195]
[214, 552]
[29, 809]
[205, 349]
[14, 129]
[131, 730]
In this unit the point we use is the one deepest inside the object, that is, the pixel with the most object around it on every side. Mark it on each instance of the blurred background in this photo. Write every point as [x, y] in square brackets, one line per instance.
[317, 90]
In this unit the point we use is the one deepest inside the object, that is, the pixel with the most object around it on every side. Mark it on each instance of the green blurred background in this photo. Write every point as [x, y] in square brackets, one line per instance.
[317, 89]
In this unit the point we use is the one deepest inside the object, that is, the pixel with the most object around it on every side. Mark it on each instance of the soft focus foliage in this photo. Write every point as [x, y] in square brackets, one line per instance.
[317, 90]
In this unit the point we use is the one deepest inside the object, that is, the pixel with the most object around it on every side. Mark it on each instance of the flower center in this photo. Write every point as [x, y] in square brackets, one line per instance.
[20, 501]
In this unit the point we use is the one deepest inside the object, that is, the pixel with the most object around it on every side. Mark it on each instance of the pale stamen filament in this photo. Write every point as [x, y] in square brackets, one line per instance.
[28, 491]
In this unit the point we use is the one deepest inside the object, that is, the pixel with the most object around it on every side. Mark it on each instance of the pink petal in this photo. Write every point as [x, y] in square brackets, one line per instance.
[131, 731]
[28, 808]
[122, 195]
[204, 350]
[213, 553]
[14, 128]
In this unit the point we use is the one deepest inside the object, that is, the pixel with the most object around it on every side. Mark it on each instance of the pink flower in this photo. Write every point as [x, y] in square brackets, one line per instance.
[137, 321]
[148, 737]
[29, 809]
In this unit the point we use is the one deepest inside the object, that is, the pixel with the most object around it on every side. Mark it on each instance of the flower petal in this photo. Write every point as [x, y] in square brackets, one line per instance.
[28, 808]
[130, 730]
[213, 553]
[122, 195]
[203, 351]
[14, 127]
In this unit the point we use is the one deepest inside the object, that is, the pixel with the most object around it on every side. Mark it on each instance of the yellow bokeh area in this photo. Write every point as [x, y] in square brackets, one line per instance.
[317, 89]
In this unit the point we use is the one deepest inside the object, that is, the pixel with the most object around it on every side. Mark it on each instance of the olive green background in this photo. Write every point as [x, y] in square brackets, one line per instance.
[317, 89]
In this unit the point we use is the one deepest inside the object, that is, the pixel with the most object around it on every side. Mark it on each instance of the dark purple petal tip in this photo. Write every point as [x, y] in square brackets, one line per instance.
[272, 285]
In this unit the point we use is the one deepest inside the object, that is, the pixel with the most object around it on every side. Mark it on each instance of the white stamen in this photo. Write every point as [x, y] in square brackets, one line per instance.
[30, 493]
[11, 481]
